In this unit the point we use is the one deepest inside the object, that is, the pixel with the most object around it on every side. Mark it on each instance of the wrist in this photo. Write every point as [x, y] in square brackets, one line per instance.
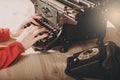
[12, 35]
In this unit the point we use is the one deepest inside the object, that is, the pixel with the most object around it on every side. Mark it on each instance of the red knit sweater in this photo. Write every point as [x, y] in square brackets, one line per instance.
[9, 53]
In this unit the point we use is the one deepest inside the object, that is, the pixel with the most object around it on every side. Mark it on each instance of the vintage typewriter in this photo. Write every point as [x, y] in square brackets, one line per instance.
[69, 21]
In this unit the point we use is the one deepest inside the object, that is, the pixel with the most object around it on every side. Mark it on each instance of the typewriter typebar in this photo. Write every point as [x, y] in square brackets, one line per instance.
[64, 19]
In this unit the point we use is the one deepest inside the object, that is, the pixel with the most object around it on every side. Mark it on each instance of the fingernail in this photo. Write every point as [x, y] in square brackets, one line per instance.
[40, 17]
[46, 34]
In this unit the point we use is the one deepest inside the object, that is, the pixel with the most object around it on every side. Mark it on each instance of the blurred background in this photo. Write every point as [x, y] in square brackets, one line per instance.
[14, 12]
[113, 12]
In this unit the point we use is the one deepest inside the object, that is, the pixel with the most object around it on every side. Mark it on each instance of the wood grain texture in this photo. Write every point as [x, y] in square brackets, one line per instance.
[51, 65]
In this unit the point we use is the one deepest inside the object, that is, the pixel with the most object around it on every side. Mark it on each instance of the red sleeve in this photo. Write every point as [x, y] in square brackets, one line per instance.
[9, 53]
[4, 34]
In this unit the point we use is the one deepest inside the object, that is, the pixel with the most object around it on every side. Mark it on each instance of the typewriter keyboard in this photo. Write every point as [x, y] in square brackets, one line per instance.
[52, 32]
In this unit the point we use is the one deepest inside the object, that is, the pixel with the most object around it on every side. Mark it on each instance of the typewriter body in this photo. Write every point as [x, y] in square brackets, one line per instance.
[70, 21]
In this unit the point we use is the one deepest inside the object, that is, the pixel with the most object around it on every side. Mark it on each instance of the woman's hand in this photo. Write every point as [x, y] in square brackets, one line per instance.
[22, 26]
[30, 36]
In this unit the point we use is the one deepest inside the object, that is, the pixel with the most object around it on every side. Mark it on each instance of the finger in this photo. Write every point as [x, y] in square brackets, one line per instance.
[30, 28]
[40, 37]
[33, 28]
[35, 33]
[36, 14]
[27, 29]
[25, 23]
[37, 17]
[34, 22]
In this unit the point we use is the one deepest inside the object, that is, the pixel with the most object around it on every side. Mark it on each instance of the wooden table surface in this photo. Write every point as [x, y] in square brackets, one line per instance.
[49, 65]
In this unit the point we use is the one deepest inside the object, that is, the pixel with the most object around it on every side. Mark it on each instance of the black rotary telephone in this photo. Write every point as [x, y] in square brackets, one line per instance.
[101, 62]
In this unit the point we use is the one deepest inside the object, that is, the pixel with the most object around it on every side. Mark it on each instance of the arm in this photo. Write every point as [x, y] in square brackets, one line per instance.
[29, 36]
[25, 40]
[9, 53]
[4, 34]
